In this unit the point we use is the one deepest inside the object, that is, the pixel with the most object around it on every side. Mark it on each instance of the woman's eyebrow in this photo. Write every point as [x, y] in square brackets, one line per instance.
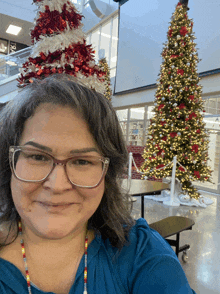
[45, 148]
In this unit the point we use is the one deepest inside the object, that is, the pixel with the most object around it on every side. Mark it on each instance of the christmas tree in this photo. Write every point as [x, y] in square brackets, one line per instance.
[104, 66]
[59, 46]
[177, 128]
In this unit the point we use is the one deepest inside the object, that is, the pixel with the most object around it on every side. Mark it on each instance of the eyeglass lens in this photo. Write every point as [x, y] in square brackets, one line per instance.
[33, 165]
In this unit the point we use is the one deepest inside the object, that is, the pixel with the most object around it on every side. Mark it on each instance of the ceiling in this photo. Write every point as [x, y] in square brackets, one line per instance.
[24, 35]
[20, 13]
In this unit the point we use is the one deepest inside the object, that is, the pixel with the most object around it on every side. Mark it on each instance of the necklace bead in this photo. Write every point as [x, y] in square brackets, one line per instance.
[26, 266]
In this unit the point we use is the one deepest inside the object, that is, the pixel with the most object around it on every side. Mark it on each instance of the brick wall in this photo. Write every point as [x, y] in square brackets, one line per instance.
[137, 155]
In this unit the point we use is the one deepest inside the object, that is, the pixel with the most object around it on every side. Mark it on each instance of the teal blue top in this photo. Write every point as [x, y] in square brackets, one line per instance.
[147, 265]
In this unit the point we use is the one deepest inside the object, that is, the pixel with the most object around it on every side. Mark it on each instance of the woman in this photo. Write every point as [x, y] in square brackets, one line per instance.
[60, 189]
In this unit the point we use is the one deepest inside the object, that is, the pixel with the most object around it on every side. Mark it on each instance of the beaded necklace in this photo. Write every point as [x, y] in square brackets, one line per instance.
[26, 267]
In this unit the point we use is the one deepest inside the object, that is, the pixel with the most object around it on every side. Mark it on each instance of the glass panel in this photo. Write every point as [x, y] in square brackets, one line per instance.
[147, 126]
[212, 105]
[136, 133]
[112, 72]
[95, 42]
[137, 113]
[114, 45]
[88, 39]
[206, 105]
[122, 114]
[218, 105]
[150, 112]
[214, 155]
[124, 128]
[213, 125]
[105, 40]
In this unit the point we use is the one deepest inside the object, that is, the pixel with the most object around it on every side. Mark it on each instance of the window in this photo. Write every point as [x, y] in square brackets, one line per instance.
[113, 60]
[95, 42]
[105, 39]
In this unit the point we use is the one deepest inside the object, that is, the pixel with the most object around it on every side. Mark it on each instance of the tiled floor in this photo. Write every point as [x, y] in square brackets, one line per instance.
[203, 266]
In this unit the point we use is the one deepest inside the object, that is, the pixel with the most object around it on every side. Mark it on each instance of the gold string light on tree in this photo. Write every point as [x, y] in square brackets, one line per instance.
[105, 68]
[177, 127]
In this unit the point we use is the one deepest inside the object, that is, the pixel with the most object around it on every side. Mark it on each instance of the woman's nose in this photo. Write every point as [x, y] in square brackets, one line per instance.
[58, 180]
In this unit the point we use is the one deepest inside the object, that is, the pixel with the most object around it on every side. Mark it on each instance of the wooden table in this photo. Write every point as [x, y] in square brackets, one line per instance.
[167, 227]
[143, 188]
[173, 225]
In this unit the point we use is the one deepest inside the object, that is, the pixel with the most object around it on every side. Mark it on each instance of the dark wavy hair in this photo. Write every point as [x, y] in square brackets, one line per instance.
[113, 216]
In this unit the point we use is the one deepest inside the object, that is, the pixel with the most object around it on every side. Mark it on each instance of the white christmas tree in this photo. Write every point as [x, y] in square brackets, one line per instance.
[59, 46]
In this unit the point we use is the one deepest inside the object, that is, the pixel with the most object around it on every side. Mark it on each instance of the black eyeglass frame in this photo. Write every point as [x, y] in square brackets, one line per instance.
[13, 149]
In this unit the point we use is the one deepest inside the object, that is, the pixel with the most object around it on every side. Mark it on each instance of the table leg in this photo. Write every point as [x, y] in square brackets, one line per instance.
[142, 206]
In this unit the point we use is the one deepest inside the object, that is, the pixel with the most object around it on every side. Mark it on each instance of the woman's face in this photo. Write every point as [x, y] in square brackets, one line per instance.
[62, 130]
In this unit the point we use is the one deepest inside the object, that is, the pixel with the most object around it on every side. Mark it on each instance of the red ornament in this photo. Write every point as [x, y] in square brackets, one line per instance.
[197, 174]
[183, 31]
[195, 148]
[174, 56]
[164, 138]
[198, 131]
[191, 97]
[180, 72]
[173, 134]
[192, 115]
[187, 119]
[182, 106]
[160, 152]
[161, 106]
[170, 33]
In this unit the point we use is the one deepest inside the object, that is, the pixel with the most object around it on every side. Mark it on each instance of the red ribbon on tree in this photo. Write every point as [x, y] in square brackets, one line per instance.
[181, 168]
[183, 31]
[195, 148]
[180, 72]
[191, 97]
[192, 115]
[170, 33]
[197, 174]
[182, 106]
[173, 134]
[161, 106]
[174, 56]
[160, 165]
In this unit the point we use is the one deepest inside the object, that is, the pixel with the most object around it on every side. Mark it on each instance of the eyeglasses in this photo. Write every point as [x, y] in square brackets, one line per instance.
[33, 165]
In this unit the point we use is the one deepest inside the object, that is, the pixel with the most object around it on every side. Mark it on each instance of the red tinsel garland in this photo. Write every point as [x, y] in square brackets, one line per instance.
[51, 22]
[81, 54]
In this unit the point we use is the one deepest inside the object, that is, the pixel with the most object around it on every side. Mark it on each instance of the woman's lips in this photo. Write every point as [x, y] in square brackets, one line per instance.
[55, 207]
